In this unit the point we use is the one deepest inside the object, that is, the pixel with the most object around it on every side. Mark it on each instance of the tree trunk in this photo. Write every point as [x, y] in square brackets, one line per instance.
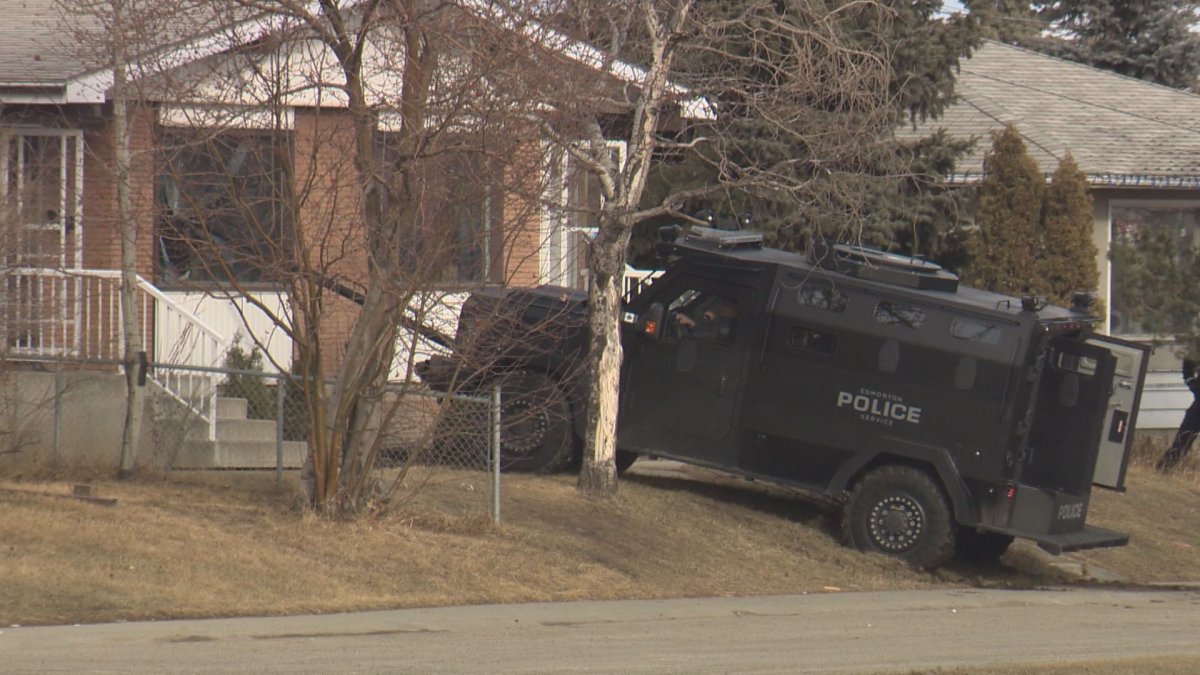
[133, 353]
[598, 475]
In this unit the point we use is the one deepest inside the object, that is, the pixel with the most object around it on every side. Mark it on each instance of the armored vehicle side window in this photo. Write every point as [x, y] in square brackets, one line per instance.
[808, 339]
[822, 296]
[975, 330]
[703, 315]
[897, 314]
[1074, 363]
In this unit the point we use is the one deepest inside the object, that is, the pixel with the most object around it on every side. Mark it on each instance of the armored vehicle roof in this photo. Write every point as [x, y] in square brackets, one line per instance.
[872, 267]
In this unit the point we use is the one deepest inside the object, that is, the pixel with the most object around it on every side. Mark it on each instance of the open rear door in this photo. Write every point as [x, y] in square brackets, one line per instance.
[1116, 437]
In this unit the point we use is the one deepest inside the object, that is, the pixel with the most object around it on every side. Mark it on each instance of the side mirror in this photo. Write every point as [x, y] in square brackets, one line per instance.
[650, 322]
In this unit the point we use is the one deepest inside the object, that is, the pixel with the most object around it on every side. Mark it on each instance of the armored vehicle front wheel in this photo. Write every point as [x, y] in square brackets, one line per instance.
[535, 423]
[900, 511]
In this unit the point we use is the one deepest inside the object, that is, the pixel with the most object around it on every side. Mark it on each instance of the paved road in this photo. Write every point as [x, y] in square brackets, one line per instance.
[835, 632]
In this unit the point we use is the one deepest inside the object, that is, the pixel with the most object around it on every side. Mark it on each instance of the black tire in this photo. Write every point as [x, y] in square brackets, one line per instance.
[900, 511]
[624, 460]
[981, 547]
[535, 423]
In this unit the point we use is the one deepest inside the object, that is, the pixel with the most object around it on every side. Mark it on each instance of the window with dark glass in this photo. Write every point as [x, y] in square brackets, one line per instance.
[1154, 250]
[812, 340]
[453, 227]
[223, 201]
[704, 316]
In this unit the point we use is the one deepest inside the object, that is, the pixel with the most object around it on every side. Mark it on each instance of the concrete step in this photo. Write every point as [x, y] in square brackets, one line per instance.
[236, 430]
[246, 430]
[222, 454]
[229, 408]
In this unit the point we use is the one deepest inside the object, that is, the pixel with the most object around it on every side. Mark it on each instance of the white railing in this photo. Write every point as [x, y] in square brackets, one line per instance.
[253, 320]
[77, 314]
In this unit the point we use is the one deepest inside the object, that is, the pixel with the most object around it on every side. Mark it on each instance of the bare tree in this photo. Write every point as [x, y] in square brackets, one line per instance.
[404, 130]
[134, 350]
[794, 74]
[108, 34]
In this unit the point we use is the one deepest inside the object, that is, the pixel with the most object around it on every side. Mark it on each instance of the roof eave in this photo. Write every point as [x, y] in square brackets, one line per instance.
[33, 93]
[1107, 180]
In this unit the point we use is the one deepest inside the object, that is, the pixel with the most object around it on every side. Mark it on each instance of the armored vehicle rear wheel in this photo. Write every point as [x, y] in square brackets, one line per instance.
[535, 423]
[900, 511]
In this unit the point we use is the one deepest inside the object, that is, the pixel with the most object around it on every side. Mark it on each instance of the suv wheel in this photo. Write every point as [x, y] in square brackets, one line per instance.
[535, 427]
[900, 511]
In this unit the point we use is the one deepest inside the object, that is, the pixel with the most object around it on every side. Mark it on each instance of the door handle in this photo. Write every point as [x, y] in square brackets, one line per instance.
[721, 387]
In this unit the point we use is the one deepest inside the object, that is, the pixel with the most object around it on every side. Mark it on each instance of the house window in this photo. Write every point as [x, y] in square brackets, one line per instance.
[453, 232]
[1154, 253]
[223, 204]
[573, 202]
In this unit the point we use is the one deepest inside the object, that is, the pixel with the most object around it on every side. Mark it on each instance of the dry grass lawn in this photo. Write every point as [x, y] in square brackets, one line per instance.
[230, 543]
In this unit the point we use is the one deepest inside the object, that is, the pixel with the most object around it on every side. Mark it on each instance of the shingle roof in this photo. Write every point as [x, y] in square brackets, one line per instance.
[45, 47]
[1120, 130]
[33, 47]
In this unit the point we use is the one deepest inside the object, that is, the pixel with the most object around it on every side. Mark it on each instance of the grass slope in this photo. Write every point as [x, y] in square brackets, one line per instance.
[228, 544]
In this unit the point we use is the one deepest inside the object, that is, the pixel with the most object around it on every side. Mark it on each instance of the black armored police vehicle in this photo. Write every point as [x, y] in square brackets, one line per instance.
[936, 416]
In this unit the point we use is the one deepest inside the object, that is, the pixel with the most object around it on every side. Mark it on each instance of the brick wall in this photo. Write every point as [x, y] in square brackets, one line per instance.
[329, 222]
[522, 216]
[101, 228]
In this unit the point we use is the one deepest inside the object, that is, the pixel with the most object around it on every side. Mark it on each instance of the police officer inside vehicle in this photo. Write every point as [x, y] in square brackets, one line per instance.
[714, 319]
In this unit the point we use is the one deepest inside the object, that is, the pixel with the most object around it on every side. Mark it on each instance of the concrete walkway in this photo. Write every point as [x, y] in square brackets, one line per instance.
[819, 633]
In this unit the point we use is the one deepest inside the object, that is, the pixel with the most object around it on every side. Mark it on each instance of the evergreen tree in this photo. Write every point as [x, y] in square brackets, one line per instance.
[1152, 40]
[1148, 39]
[1067, 262]
[1015, 22]
[1002, 252]
[883, 192]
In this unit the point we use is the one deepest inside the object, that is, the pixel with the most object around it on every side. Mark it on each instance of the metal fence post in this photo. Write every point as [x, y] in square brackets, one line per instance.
[495, 418]
[279, 383]
[58, 413]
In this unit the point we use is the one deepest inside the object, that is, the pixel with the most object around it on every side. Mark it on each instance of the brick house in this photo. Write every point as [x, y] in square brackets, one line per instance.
[61, 237]
[1138, 143]
[55, 133]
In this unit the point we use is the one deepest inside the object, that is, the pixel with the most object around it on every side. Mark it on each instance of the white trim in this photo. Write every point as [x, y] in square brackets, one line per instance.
[586, 54]
[226, 117]
[93, 86]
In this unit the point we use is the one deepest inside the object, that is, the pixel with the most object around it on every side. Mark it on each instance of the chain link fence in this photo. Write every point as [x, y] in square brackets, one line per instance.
[437, 454]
